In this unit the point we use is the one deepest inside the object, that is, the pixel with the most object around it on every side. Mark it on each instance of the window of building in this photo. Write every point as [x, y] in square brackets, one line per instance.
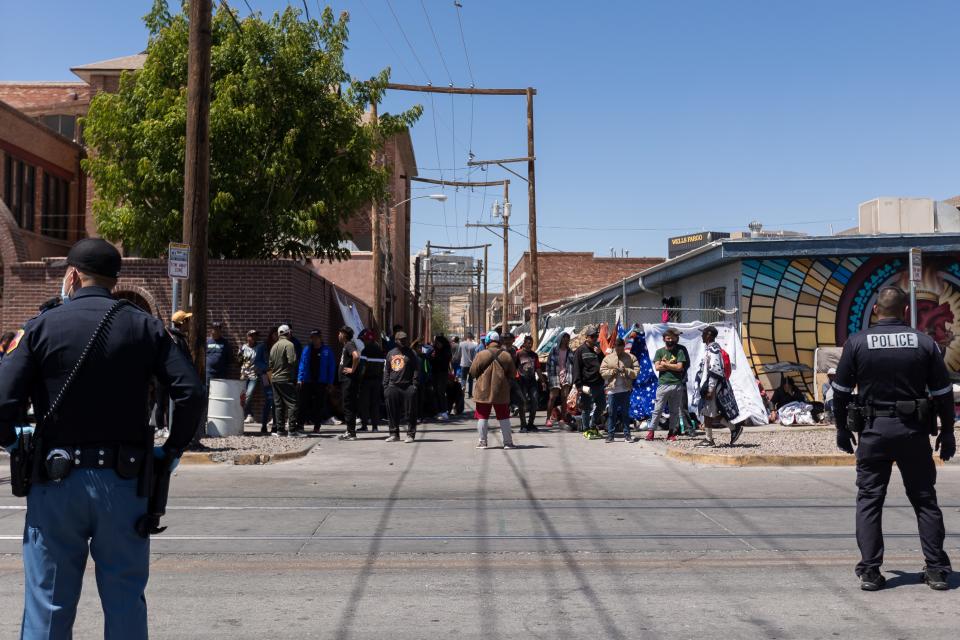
[19, 194]
[64, 125]
[55, 215]
[712, 299]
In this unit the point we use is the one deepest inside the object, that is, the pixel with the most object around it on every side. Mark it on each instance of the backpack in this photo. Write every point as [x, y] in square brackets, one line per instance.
[727, 367]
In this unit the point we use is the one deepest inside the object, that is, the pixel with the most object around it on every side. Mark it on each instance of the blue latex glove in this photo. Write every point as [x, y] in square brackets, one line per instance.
[161, 455]
[22, 429]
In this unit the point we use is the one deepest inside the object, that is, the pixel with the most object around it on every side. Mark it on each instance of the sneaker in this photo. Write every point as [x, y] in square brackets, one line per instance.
[608, 439]
[629, 439]
[649, 437]
[533, 429]
[524, 430]
[298, 434]
[443, 417]
[872, 580]
[706, 442]
[935, 579]
[509, 445]
[408, 439]
[672, 438]
[248, 420]
[332, 422]
[392, 439]
[735, 433]
[346, 436]
[482, 444]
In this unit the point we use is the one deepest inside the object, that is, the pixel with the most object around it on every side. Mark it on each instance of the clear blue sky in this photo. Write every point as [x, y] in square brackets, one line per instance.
[664, 116]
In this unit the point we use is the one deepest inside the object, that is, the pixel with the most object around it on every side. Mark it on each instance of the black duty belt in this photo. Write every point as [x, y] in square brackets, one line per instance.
[93, 457]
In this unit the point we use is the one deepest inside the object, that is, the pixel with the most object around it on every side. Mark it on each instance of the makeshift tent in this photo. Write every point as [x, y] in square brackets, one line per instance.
[741, 379]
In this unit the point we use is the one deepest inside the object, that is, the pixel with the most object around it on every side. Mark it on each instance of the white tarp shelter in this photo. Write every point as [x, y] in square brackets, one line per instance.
[741, 379]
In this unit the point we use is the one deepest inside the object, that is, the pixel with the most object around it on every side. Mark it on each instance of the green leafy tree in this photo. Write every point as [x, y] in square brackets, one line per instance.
[438, 322]
[290, 149]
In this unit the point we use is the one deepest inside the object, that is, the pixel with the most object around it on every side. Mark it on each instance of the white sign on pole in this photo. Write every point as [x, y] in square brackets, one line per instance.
[178, 260]
[916, 265]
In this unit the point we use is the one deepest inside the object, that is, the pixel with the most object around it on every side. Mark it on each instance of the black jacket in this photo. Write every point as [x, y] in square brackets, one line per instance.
[107, 403]
[402, 368]
[586, 367]
[890, 362]
[371, 362]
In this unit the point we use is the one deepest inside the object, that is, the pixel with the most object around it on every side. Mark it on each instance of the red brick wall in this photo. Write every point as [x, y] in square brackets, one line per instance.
[243, 294]
[569, 274]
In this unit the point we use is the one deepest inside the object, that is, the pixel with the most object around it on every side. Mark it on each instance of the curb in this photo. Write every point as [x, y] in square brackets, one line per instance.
[779, 460]
[201, 458]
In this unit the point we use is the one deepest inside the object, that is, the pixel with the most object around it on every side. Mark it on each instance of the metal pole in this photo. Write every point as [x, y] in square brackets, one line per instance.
[377, 265]
[196, 183]
[913, 304]
[623, 313]
[532, 268]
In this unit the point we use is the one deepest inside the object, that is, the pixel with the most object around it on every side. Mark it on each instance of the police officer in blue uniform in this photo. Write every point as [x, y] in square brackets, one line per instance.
[902, 386]
[89, 482]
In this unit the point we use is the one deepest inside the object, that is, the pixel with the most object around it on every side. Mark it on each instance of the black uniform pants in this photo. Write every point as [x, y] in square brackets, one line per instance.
[284, 406]
[312, 404]
[880, 446]
[371, 394]
[402, 402]
[350, 393]
[440, 392]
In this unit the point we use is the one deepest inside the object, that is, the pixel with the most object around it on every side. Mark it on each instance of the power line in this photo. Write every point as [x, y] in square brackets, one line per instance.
[409, 44]
[385, 38]
[473, 83]
[436, 41]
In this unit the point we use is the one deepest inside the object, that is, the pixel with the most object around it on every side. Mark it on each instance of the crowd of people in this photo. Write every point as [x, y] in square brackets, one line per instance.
[404, 382]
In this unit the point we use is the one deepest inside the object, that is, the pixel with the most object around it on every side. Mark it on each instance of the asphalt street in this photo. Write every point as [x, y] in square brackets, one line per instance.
[562, 538]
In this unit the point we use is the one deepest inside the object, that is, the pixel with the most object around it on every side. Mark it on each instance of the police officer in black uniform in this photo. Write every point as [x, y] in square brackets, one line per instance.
[93, 449]
[902, 387]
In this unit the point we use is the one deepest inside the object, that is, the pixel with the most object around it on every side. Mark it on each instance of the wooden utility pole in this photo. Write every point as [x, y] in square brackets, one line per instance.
[532, 272]
[377, 266]
[486, 271]
[196, 182]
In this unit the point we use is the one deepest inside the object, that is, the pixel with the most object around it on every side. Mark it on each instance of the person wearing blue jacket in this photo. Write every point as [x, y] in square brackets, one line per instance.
[318, 369]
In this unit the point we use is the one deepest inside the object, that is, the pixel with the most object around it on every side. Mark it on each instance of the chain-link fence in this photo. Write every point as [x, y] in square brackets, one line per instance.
[639, 315]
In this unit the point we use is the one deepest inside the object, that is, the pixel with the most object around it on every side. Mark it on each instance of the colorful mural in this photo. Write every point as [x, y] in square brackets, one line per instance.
[791, 307]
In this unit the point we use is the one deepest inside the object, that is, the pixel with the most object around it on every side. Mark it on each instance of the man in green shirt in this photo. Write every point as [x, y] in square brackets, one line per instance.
[671, 362]
[283, 376]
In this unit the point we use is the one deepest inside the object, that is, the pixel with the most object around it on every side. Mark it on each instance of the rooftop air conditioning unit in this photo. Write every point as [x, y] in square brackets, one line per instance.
[897, 215]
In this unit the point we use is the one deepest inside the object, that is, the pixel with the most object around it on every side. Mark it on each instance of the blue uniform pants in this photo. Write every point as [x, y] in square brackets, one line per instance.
[90, 511]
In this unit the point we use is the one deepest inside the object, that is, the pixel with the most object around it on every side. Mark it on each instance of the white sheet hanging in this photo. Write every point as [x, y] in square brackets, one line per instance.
[741, 379]
[350, 316]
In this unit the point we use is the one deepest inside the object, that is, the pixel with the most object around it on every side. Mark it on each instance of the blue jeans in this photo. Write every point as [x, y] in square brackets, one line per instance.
[618, 408]
[248, 405]
[90, 511]
[467, 381]
[590, 407]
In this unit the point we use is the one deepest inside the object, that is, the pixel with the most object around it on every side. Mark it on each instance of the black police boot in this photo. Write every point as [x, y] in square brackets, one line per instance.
[935, 579]
[872, 580]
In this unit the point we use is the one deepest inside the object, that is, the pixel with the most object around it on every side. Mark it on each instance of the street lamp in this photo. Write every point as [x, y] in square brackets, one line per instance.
[440, 197]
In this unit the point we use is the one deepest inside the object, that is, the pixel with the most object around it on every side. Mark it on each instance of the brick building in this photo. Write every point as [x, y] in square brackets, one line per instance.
[356, 274]
[42, 189]
[565, 275]
[45, 205]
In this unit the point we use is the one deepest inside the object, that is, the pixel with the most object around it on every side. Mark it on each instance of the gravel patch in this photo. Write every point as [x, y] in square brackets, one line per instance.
[226, 449]
[780, 442]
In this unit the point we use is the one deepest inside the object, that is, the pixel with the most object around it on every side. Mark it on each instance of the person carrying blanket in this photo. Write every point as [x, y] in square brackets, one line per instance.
[716, 402]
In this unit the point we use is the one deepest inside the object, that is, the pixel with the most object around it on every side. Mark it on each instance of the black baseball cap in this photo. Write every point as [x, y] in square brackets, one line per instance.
[94, 256]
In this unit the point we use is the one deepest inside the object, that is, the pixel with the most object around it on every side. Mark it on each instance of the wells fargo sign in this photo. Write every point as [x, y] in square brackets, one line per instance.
[679, 245]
